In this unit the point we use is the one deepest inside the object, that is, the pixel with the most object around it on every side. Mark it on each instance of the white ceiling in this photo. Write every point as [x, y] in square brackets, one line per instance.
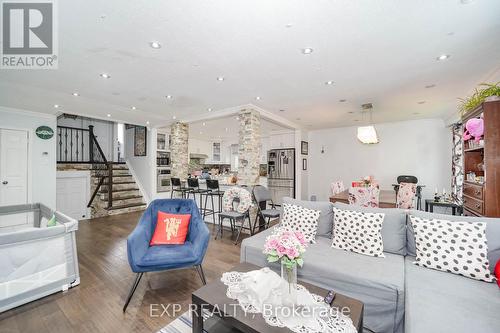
[227, 129]
[382, 52]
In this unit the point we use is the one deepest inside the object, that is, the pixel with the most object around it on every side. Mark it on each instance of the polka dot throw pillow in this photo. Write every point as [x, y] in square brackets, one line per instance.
[455, 247]
[297, 218]
[359, 232]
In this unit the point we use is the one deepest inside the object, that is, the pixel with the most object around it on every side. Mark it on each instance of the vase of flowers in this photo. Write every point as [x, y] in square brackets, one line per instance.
[287, 247]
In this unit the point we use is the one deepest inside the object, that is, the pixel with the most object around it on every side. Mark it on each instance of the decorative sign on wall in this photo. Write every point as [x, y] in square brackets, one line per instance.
[44, 132]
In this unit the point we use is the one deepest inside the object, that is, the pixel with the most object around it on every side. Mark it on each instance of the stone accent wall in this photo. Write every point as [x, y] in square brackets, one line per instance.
[249, 150]
[179, 136]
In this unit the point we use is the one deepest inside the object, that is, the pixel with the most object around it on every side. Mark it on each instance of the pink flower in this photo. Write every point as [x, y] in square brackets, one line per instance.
[292, 253]
[281, 250]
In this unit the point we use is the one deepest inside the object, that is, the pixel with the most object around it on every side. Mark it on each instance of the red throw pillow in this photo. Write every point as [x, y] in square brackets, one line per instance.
[170, 229]
[497, 272]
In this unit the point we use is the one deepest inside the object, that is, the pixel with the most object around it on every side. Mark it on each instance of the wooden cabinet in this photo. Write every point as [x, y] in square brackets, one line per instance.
[482, 160]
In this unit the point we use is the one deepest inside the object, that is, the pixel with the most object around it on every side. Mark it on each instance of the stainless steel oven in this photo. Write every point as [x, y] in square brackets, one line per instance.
[163, 182]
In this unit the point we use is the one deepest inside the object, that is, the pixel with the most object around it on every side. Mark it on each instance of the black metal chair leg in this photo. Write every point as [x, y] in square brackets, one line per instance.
[219, 229]
[250, 227]
[199, 269]
[132, 291]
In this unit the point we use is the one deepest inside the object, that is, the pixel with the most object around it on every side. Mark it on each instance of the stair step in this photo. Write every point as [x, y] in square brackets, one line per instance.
[120, 167]
[121, 201]
[120, 182]
[119, 190]
[126, 197]
[121, 195]
[127, 206]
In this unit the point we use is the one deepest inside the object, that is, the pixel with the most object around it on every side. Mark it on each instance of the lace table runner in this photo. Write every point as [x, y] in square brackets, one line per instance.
[260, 292]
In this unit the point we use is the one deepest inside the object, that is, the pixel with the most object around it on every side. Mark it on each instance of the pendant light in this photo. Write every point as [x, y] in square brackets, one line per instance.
[368, 134]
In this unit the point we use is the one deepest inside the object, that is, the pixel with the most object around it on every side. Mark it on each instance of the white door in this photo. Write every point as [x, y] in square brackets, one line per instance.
[72, 196]
[13, 173]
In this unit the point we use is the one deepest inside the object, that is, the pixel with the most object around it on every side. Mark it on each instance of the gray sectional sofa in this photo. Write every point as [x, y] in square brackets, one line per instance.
[398, 295]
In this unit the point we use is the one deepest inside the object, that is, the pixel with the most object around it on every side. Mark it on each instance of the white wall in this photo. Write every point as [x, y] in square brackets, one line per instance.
[421, 148]
[301, 182]
[43, 166]
[143, 167]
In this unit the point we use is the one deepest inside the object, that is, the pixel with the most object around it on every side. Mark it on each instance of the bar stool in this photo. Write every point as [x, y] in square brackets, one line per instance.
[177, 187]
[213, 190]
[194, 189]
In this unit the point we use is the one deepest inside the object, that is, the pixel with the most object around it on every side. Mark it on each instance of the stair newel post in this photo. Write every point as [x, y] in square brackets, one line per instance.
[110, 184]
[91, 143]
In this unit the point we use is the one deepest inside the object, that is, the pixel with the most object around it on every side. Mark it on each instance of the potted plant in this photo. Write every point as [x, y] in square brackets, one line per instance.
[487, 92]
[287, 247]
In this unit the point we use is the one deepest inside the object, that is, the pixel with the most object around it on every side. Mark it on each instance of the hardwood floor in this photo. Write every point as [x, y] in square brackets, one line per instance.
[96, 304]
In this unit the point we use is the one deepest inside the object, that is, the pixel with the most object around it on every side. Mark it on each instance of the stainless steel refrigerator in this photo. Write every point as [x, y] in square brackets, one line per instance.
[281, 173]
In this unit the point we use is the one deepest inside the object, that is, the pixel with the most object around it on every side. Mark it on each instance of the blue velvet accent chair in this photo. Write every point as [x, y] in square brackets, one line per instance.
[144, 258]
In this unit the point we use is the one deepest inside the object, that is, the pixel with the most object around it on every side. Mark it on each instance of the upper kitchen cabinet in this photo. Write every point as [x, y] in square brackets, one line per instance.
[282, 140]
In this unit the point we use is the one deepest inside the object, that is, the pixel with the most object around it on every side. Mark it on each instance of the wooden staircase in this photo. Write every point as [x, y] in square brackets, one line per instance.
[126, 196]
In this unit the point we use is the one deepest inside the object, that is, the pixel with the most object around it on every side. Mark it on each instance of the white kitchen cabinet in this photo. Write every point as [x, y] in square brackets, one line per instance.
[283, 140]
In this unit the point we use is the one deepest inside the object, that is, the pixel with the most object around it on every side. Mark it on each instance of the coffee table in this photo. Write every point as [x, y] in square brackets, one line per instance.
[233, 318]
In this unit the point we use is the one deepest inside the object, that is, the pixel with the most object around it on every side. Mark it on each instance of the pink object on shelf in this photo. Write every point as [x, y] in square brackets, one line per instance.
[474, 128]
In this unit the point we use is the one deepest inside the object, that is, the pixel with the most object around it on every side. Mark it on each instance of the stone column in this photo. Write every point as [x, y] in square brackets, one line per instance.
[249, 147]
[179, 156]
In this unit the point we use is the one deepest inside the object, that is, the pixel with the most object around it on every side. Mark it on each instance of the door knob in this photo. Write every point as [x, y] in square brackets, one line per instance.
[5, 182]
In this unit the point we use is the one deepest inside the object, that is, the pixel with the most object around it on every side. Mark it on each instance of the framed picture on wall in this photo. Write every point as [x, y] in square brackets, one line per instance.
[140, 141]
[304, 164]
[304, 147]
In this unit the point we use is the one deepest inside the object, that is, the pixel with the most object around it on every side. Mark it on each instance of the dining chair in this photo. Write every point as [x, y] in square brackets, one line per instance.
[242, 197]
[262, 195]
[337, 187]
[364, 196]
[406, 193]
[411, 180]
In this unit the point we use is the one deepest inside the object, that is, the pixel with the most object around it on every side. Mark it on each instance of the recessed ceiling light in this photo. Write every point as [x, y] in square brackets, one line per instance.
[466, 2]
[421, 102]
[57, 106]
[329, 83]
[209, 109]
[307, 50]
[356, 119]
[443, 57]
[430, 86]
[282, 110]
[174, 117]
[227, 129]
[155, 45]
[76, 94]
[169, 96]
[203, 124]
[147, 122]
[351, 112]
[451, 33]
[416, 113]
[109, 115]
[257, 98]
[237, 118]
[105, 75]
[342, 100]
[133, 108]
[220, 78]
[288, 25]
[297, 118]
[201, 132]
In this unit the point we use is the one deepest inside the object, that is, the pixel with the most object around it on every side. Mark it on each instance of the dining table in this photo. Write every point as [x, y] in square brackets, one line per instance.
[387, 198]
